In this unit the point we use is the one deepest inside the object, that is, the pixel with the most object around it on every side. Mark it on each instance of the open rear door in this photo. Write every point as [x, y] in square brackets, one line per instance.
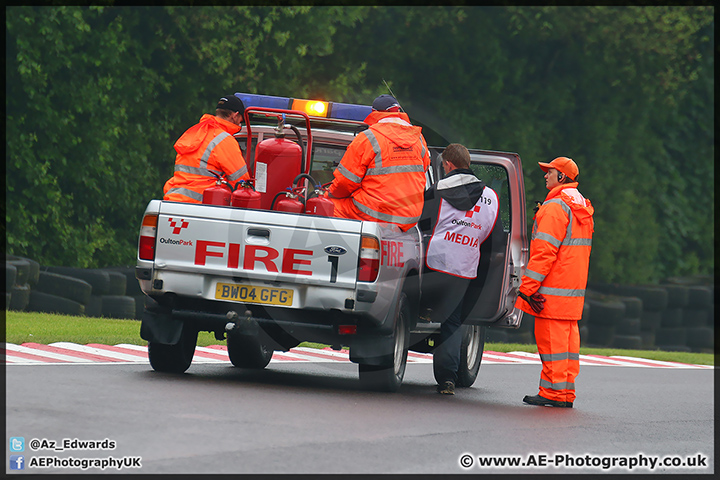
[490, 298]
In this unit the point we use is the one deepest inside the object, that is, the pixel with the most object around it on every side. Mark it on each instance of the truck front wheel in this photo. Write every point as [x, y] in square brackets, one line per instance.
[389, 378]
[174, 358]
[248, 351]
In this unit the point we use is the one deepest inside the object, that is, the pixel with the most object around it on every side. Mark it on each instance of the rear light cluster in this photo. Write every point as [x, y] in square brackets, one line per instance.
[148, 233]
[369, 261]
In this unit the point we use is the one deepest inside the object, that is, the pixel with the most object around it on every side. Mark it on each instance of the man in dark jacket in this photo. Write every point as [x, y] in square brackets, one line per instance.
[462, 213]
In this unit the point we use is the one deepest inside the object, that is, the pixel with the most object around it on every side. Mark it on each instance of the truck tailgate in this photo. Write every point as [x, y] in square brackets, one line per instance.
[258, 245]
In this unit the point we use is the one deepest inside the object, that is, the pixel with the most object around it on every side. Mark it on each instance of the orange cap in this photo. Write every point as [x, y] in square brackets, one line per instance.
[564, 165]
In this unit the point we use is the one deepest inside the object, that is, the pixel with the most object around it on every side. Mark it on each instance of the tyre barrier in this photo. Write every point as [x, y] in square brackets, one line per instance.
[64, 286]
[48, 303]
[99, 280]
[118, 306]
[19, 298]
[676, 315]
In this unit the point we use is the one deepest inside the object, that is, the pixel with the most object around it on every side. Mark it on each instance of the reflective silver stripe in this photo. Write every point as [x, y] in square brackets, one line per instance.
[348, 174]
[397, 169]
[548, 238]
[383, 216]
[203, 172]
[422, 144]
[534, 275]
[239, 173]
[552, 357]
[557, 386]
[376, 147]
[211, 146]
[562, 292]
[187, 192]
[582, 242]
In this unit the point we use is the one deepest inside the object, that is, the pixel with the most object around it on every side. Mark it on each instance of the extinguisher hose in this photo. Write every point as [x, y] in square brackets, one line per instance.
[302, 146]
[309, 179]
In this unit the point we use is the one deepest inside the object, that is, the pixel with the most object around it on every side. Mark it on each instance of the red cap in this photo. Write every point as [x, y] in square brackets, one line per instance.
[564, 165]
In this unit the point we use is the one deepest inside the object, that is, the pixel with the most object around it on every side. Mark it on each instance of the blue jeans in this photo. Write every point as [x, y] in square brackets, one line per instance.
[447, 354]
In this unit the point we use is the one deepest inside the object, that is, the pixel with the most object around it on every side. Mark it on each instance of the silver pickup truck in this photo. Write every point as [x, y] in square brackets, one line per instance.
[268, 280]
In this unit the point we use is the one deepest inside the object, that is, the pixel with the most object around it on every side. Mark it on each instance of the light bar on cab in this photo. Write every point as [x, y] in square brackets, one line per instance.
[313, 108]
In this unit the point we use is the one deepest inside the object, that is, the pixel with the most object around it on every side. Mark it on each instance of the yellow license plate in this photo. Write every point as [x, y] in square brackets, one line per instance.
[254, 294]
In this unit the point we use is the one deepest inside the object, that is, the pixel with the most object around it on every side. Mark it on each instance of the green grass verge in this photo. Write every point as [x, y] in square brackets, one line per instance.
[31, 327]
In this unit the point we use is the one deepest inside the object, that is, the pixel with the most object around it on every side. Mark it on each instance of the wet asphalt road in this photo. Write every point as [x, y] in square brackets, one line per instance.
[314, 418]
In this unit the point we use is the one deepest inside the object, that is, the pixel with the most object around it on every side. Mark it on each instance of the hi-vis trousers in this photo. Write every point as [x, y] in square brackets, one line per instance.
[558, 343]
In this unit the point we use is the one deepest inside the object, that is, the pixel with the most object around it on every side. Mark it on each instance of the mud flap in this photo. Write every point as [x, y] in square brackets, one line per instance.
[373, 350]
[160, 328]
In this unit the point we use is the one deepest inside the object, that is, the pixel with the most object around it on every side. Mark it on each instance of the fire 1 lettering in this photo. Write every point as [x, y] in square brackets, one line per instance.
[392, 254]
[252, 255]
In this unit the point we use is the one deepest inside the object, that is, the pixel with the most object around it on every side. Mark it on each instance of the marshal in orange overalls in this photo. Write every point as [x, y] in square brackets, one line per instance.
[558, 269]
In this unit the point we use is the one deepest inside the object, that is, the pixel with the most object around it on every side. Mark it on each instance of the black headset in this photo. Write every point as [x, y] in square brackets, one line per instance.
[560, 177]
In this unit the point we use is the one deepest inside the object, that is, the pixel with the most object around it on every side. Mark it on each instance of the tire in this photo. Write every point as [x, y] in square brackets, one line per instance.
[495, 335]
[20, 297]
[389, 378]
[628, 326]
[94, 306]
[600, 335]
[654, 298]
[672, 317]
[132, 286]
[699, 297]
[8, 298]
[585, 319]
[139, 305]
[648, 339]
[700, 337]
[47, 303]
[693, 318]
[627, 342]
[471, 353]
[118, 306]
[33, 271]
[674, 348]
[650, 321]
[22, 268]
[583, 335]
[99, 280]
[10, 276]
[64, 286]
[607, 312]
[671, 336]
[523, 338]
[174, 358]
[249, 351]
[633, 306]
[677, 295]
[118, 282]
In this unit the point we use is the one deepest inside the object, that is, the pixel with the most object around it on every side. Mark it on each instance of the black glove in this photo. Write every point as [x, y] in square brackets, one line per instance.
[537, 206]
[536, 301]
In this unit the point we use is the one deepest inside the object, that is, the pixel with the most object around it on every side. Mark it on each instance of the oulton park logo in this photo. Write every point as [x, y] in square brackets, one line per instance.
[177, 228]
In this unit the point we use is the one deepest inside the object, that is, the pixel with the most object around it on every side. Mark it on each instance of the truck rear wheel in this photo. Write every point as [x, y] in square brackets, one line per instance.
[471, 353]
[248, 351]
[174, 358]
[389, 378]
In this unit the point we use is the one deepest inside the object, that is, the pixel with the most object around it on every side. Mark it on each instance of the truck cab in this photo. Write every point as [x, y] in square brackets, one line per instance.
[379, 318]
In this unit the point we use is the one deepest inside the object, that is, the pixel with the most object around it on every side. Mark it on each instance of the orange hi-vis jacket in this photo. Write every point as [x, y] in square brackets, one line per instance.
[381, 177]
[560, 254]
[203, 149]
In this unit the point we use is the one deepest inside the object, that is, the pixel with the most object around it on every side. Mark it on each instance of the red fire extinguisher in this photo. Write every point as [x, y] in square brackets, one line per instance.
[218, 194]
[244, 196]
[320, 204]
[277, 162]
[288, 203]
